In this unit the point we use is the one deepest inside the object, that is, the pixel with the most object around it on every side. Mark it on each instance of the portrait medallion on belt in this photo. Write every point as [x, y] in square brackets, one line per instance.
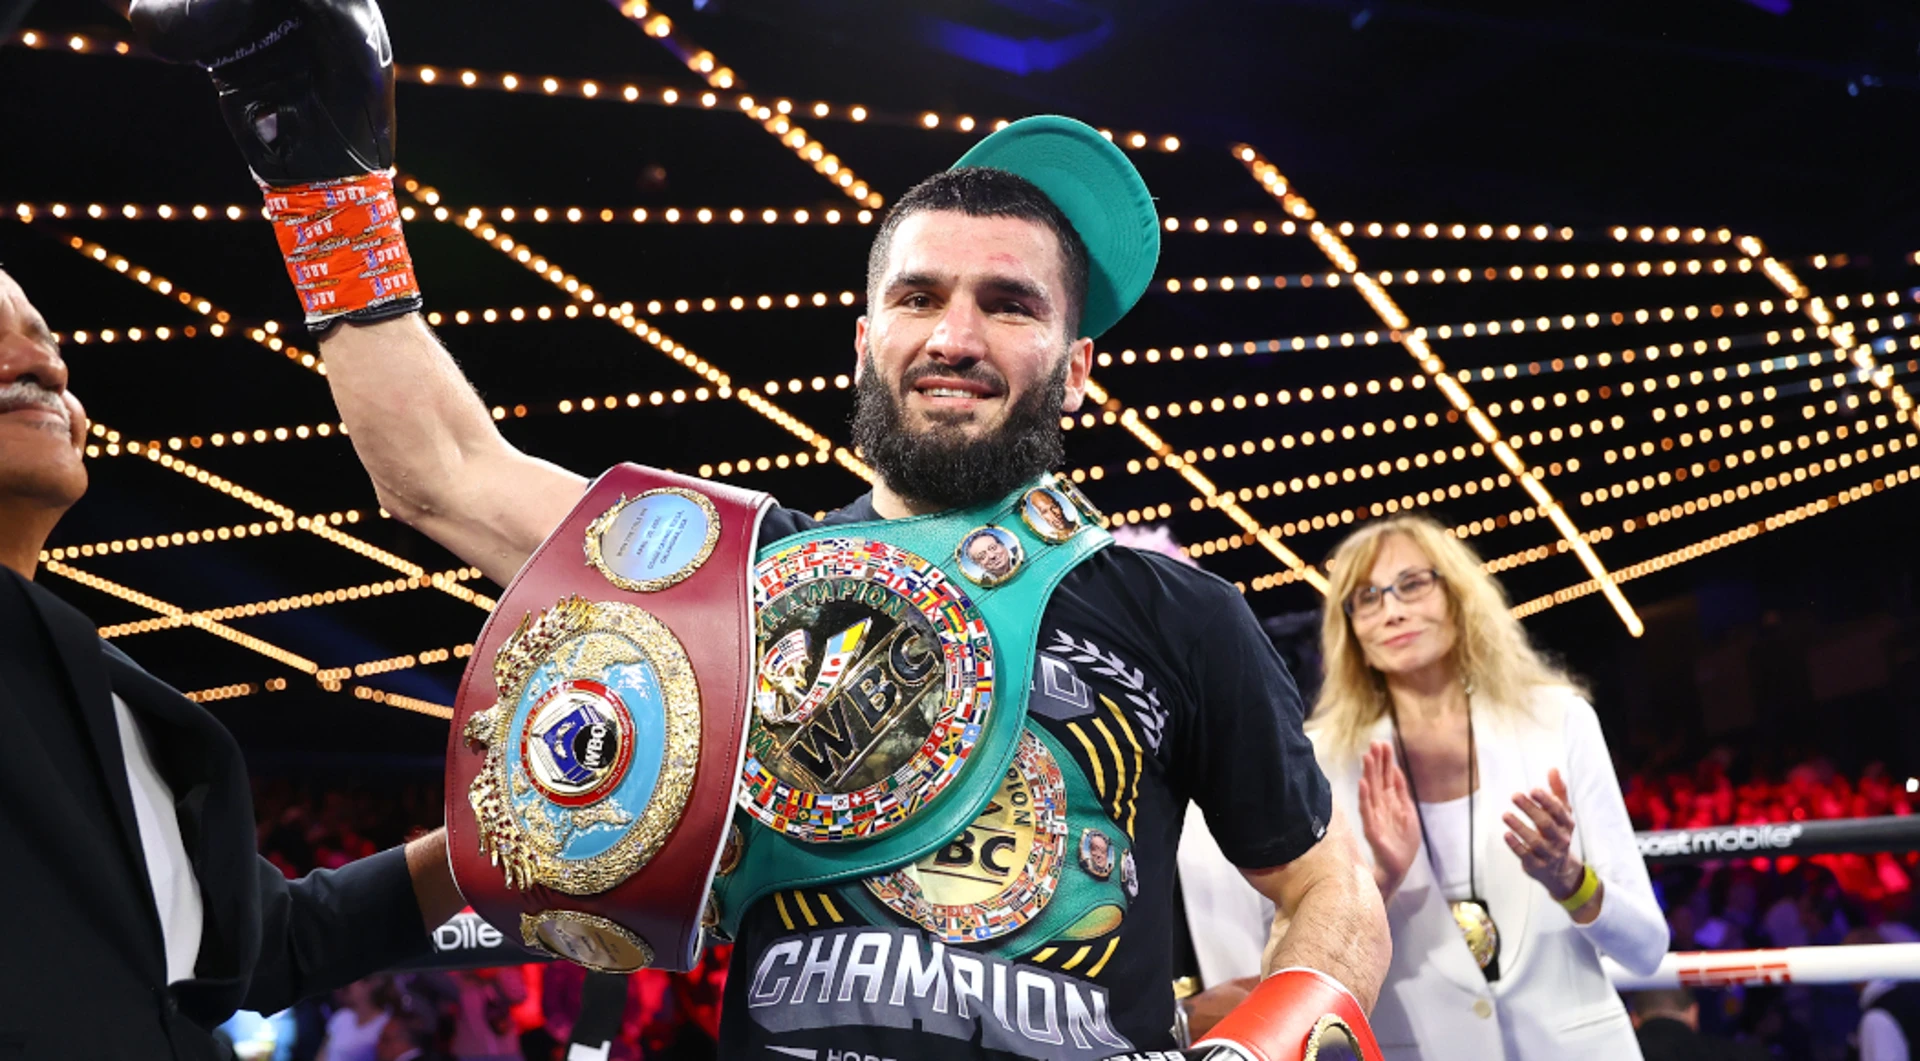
[590, 750]
[989, 556]
[1000, 872]
[1051, 514]
[875, 678]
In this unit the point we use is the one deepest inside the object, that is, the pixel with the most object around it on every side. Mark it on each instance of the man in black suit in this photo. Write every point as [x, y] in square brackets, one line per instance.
[1667, 1022]
[139, 913]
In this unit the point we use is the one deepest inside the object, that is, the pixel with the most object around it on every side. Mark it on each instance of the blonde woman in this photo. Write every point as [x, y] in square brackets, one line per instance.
[1498, 835]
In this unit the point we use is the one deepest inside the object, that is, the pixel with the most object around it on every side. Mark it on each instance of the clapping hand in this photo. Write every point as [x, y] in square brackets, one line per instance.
[1544, 838]
[1388, 817]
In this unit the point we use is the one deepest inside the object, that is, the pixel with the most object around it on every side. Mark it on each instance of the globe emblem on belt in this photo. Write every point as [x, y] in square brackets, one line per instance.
[577, 743]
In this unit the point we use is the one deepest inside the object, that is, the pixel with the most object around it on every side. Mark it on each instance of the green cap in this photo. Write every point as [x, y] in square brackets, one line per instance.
[1096, 186]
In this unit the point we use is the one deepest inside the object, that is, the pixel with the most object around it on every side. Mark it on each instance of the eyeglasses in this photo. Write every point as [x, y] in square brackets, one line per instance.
[1367, 601]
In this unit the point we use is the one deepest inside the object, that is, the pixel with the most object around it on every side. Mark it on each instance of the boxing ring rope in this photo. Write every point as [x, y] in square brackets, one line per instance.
[468, 942]
[1786, 965]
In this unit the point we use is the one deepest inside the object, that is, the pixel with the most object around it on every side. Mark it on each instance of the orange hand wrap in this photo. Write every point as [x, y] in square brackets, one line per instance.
[344, 249]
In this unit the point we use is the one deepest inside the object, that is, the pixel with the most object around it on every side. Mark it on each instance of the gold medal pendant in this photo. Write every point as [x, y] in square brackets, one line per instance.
[1482, 935]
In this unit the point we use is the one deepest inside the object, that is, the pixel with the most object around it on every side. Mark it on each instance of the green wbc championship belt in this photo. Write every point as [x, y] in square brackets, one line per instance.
[894, 666]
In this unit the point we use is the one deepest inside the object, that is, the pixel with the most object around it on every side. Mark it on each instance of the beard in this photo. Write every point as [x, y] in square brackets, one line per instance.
[941, 467]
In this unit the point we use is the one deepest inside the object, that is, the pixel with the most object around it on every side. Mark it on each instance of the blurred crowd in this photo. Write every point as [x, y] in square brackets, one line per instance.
[506, 1014]
[1781, 902]
[530, 1011]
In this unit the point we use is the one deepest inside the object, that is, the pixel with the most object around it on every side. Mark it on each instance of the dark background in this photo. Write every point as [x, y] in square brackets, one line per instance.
[1789, 122]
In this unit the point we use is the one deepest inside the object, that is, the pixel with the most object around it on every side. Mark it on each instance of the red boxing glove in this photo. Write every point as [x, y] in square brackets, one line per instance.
[1294, 1015]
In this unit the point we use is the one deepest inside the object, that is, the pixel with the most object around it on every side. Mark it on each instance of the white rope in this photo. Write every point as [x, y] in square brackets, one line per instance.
[1796, 965]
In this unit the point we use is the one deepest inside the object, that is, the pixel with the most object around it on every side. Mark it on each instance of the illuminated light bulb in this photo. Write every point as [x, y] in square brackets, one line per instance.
[428, 74]
[509, 82]
[1171, 143]
[551, 85]
[670, 96]
[589, 89]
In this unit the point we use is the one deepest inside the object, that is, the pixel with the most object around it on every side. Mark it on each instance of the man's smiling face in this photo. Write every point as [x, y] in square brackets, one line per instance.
[966, 360]
[970, 316]
[42, 426]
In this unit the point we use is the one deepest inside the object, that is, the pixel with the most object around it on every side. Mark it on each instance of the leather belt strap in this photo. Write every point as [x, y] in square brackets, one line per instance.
[598, 733]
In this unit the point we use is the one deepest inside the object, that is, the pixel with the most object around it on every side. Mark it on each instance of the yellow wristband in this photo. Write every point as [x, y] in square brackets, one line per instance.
[1589, 884]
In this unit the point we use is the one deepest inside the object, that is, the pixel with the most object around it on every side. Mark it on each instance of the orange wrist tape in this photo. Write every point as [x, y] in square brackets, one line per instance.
[344, 249]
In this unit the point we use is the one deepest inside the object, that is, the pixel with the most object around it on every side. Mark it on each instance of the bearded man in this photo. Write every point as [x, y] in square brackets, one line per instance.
[1152, 683]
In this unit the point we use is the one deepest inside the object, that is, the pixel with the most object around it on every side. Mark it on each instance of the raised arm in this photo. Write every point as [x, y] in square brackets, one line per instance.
[306, 87]
[438, 462]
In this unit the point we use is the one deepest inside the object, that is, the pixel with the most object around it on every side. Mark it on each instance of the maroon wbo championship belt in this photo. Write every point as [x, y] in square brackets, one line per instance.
[598, 733]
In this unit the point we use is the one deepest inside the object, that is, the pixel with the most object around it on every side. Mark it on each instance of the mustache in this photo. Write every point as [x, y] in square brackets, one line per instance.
[977, 372]
[27, 394]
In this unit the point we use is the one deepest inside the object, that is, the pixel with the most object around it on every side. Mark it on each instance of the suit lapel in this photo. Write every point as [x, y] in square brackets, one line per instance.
[81, 658]
[1506, 767]
[203, 766]
[1421, 890]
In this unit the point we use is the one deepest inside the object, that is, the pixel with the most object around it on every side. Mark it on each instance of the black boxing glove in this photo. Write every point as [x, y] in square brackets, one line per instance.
[306, 87]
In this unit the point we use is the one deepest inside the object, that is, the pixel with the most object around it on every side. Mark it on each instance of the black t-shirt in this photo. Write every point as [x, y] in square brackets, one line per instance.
[1134, 648]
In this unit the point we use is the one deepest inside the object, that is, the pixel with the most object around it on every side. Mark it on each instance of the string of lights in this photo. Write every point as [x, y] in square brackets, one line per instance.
[162, 541]
[1276, 185]
[154, 604]
[162, 286]
[1816, 310]
[293, 603]
[1539, 402]
[639, 215]
[623, 316]
[647, 91]
[1727, 400]
[1730, 460]
[703, 63]
[656, 307]
[1527, 556]
[359, 692]
[1658, 517]
[1259, 226]
[1210, 495]
[323, 528]
[1351, 389]
[1561, 271]
[389, 664]
[1329, 340]
[1744, 532]
[1757, 486]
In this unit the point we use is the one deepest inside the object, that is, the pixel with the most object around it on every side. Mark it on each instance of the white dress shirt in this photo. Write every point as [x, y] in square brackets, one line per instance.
[1880, 1036]
[1449, 835]
[1227, 919]
[176, 892]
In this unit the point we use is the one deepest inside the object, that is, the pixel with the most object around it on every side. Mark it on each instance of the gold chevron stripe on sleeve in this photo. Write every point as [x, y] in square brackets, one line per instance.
[1093, 758]
[1119, 768]
[1139, 761]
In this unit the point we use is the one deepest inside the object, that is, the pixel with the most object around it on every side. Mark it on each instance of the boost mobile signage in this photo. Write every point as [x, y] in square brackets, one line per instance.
[1730, 840]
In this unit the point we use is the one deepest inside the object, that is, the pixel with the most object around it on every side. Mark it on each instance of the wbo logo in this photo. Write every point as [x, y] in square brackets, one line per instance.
[578, 742]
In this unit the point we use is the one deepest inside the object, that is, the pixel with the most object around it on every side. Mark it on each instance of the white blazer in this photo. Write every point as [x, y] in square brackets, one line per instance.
[1553, 1000]
[1228, 920]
